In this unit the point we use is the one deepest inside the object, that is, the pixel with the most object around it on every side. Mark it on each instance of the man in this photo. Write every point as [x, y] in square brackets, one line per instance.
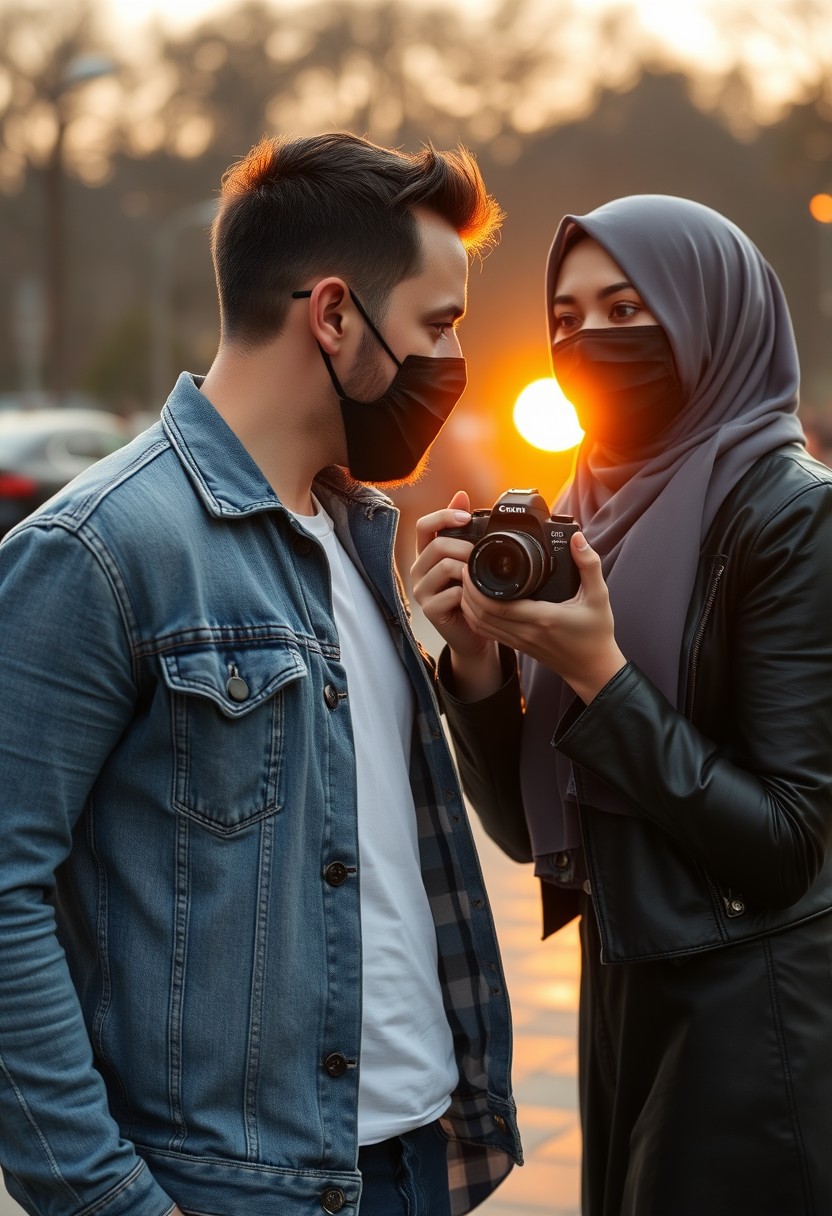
[246, 958]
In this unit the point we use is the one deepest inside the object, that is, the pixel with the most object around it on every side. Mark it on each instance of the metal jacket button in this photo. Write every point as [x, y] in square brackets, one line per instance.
[335, 1065]
[331, 696]
[236, 686]
[335, 873]
[500, 1123]
[561, 861]
[333, 1200]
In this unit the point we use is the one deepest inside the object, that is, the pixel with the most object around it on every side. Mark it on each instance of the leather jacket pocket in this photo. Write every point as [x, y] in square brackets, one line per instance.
[229, 703]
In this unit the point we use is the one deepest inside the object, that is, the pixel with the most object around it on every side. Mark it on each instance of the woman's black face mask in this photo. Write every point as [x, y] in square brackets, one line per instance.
[622, 382]
[387, 438]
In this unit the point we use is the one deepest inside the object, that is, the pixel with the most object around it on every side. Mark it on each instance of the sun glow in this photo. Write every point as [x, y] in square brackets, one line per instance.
[545, 418]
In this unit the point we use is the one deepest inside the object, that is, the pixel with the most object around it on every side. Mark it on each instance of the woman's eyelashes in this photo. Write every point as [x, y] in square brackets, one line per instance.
[619, 313]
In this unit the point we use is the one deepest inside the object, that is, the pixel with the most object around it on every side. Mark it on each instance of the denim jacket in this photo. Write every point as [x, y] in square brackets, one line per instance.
[180, 947]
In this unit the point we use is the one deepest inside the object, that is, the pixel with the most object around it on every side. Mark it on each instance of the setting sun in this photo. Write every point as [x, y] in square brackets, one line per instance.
[545, 418]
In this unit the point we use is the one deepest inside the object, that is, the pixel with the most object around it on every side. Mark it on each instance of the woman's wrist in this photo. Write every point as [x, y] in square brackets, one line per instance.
[477, 675]
[589, 683]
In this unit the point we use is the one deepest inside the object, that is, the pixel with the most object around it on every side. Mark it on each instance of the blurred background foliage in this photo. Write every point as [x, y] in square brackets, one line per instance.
[566, 104]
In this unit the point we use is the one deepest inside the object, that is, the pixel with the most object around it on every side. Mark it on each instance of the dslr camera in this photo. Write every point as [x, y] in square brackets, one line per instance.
[520, 550]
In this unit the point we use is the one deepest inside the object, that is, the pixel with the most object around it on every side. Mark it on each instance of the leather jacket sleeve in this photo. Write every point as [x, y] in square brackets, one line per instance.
[747, 783]
[486, 737]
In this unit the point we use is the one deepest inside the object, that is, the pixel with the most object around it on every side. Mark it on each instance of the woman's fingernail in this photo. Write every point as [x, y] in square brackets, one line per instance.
[462, 517]
[580, 541]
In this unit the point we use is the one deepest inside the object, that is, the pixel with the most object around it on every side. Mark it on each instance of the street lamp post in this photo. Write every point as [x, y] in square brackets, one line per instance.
[79, 71]
[820, 207]
[164, 244]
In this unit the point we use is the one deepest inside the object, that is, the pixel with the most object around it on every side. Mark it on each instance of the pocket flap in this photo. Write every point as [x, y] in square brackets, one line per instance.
[237, 678]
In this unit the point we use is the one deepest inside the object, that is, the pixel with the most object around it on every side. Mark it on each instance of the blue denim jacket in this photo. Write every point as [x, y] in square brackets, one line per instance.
[180, 945]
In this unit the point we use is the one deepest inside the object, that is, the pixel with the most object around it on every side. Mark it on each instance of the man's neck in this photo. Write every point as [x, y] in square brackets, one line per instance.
[270, 413]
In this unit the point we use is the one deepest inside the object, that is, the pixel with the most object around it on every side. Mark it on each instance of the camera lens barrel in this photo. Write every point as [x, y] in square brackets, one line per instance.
[508, 565]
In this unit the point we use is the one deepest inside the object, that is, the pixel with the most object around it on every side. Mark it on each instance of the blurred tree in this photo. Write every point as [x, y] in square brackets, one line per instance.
[41, 47]
[553, 98]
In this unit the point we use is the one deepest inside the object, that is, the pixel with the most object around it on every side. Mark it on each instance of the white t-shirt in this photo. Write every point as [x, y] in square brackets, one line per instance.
[407, 1066]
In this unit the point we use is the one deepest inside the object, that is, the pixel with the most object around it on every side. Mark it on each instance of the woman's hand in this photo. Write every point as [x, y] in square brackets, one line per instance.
[576, 639]
[437, 577]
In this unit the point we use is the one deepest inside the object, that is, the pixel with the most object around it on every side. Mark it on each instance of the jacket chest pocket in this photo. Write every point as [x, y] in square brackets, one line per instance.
[229, 707]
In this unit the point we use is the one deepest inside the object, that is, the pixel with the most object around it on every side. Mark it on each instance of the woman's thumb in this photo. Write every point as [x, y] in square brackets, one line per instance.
[460, 502]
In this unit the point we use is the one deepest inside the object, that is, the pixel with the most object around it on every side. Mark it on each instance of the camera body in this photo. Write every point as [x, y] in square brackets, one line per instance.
[520, 550]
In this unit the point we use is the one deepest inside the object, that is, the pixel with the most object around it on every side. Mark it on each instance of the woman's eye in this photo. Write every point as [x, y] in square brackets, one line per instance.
[624, 311]
[566, 322]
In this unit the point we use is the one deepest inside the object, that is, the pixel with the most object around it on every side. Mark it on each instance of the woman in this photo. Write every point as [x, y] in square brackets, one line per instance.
[668, 763]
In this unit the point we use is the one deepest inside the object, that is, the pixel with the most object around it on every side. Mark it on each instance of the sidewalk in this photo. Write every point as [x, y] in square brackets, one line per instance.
[542, 980]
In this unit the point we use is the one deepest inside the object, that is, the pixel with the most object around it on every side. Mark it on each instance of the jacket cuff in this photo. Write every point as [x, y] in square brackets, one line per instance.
[139, 1194]
[576, 729]
[508, 691]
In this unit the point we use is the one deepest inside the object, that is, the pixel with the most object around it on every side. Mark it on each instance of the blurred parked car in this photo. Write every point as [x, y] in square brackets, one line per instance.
[41, 450]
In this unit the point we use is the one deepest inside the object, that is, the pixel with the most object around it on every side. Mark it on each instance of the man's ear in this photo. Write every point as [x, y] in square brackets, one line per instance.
[331, 313]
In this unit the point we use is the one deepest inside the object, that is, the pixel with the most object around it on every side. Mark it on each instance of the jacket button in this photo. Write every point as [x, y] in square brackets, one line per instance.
[500, 1123]
[331, 696]
[561, 861]
[236, 688]
[333, 1200]
[736, 907]
[335, 873]
[335, 1065]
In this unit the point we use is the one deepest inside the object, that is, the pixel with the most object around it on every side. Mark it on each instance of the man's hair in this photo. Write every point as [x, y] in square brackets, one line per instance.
[334, 204]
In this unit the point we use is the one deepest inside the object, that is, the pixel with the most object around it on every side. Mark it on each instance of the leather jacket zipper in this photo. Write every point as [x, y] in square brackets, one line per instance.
[696, 645]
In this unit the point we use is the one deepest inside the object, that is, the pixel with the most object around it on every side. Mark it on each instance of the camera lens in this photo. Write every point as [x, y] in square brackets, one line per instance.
[507, 565]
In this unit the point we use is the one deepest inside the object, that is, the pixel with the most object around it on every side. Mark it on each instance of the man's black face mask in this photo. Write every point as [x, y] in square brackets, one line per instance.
[387, 438]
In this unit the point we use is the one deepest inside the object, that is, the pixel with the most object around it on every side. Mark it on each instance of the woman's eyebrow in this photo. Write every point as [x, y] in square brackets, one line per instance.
[612, 290]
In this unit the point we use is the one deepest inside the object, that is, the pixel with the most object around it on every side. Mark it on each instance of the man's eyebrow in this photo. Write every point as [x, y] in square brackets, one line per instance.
[452, 309]
[612, 290]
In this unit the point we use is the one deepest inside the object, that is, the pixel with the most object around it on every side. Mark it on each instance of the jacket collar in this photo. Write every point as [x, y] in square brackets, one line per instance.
[229, 482]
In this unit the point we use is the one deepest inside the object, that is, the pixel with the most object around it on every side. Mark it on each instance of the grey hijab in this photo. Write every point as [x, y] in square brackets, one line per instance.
[726, 318]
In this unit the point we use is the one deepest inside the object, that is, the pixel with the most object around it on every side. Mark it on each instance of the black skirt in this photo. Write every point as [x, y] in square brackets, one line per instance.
[706, 1085]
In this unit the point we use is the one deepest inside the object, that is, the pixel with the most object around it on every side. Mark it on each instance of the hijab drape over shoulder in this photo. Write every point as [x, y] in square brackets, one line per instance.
[726, 319]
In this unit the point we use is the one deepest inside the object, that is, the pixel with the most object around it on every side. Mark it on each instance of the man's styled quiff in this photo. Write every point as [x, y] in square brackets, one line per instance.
[334, 204]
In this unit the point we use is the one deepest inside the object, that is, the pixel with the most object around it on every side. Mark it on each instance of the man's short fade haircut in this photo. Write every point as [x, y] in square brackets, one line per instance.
[334, 204]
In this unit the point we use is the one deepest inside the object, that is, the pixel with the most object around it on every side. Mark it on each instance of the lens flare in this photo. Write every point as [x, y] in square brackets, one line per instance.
[820, 206]
[545, 418]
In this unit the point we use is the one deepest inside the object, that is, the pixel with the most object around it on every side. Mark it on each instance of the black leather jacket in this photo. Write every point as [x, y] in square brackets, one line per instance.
[731, 828]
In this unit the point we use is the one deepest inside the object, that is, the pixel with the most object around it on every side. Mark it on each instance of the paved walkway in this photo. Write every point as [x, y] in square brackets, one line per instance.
[542, 979]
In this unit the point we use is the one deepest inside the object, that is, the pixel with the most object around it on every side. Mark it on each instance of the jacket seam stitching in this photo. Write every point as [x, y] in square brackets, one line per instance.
[125, 1183]
[94, 544]
[787, 1070]
[78, 514]
[54, 1168]
[233, 633]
